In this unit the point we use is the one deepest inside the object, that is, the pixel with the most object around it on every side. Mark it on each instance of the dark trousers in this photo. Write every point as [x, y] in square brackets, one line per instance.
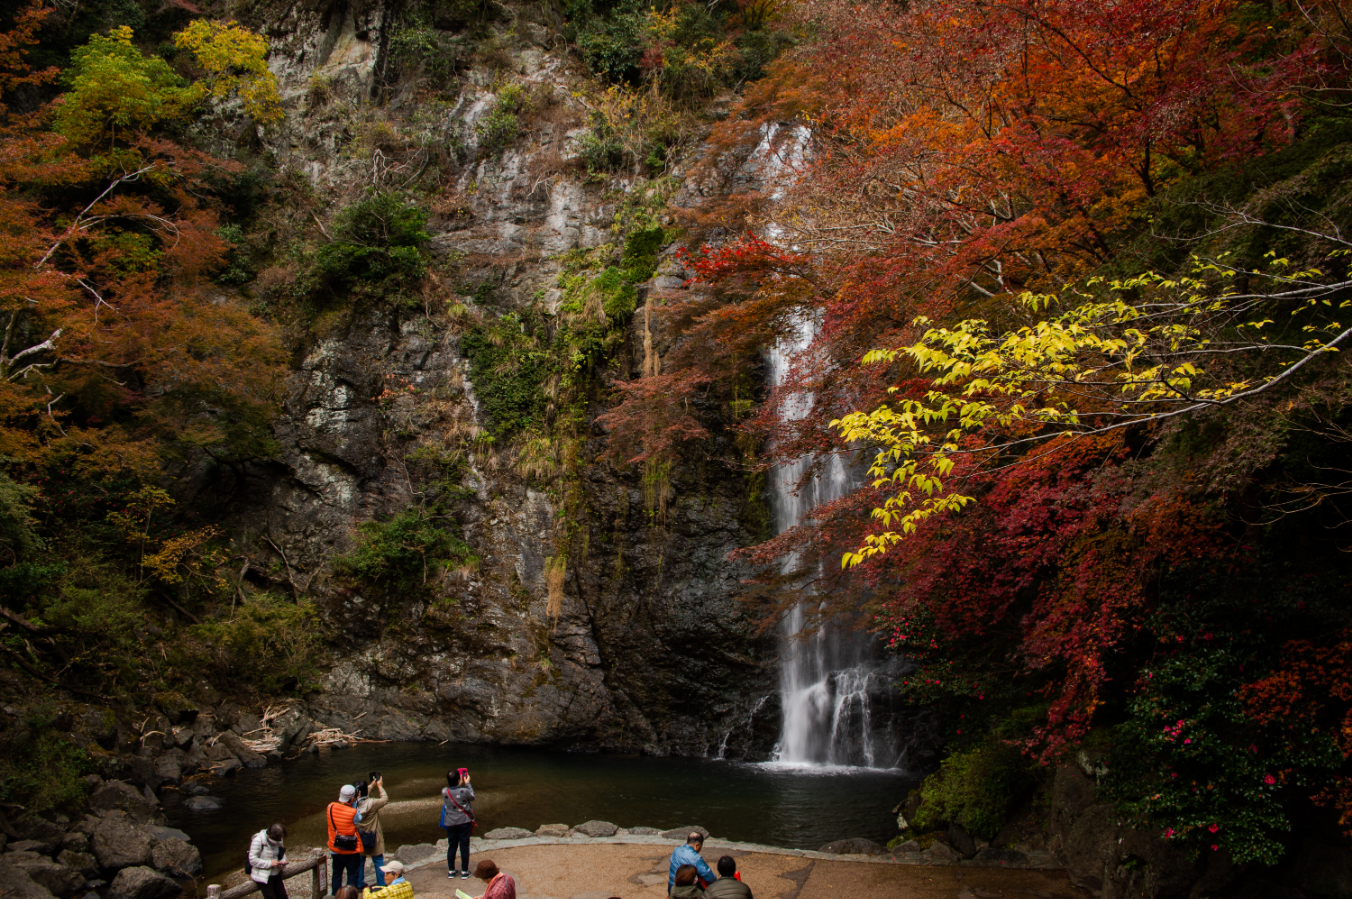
[458, 837]
[275, 888]
[349, 863]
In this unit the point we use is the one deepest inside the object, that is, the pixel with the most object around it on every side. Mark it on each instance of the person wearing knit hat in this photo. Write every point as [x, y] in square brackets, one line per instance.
[344, 844]
[500, 885]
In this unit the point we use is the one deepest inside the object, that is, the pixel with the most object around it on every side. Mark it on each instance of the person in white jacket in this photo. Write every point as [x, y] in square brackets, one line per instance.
[267, 856]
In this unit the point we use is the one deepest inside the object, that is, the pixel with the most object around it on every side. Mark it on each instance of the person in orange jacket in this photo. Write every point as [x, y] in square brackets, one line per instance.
[344, 844]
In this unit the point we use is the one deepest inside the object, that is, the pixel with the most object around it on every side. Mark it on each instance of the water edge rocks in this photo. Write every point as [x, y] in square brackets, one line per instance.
[141, 883]
[596, 829]
[553, 830]
[852, 847]
[506, 833]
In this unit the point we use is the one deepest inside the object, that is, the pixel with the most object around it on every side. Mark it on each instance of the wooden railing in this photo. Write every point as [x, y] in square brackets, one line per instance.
[318, 882]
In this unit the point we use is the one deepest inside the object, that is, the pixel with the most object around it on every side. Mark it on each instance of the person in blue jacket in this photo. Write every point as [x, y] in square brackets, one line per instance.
[689, 855]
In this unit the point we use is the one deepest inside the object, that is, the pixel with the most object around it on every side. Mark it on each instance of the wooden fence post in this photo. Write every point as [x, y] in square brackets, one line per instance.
[318, 877]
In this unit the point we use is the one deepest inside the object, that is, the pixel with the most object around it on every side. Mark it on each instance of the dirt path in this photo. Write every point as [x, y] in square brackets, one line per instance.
[627, 871]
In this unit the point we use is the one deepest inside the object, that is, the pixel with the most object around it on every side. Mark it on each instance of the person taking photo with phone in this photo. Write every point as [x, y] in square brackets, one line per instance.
[457, 817]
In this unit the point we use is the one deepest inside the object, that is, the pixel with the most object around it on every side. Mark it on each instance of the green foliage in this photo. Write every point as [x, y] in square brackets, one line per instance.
[979, 788]
[419, 48]
[235, 61]
[17, 535]
[502, 124]
[401, 556]
[269, 643]
[508, 370]
[378, 247]
[40, 770]
[117, 91]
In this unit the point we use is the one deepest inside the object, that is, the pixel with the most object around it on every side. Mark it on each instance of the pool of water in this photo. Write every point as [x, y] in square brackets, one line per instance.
[782, 806]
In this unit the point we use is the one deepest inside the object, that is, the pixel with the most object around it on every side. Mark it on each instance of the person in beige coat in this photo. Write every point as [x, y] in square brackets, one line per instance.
[371, 799]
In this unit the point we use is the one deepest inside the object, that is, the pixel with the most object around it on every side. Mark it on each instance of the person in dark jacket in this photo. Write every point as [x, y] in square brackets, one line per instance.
[457, 816]
[728, 885]
[686, 885]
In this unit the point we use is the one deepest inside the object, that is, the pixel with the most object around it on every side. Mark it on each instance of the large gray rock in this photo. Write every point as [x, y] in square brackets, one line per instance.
[169, 767]
[115, 795]
[119, 843]
[552, 830]
[203, 803]
[854, 846]
[1091, 847]
[35, 846]
[75, 841]
[644, 831]
[961, 840]
[141, 883]
[57, 878]
[1001, 858]
[507, 833]
[39, 830]
[250, 757]
[596, 829]
[682, 833]
[16, 884]
[176, 858]
[83, 862]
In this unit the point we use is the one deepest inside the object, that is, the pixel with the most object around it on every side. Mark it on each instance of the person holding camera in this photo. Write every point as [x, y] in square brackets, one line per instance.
[369, 829]
[344, 844]
[457, 816]
[267, 858]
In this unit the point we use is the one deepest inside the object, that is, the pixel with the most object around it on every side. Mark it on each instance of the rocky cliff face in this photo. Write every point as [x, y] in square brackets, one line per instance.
[645, 645]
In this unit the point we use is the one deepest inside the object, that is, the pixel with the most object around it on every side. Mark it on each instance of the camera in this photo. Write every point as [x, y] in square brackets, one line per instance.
[374, 776]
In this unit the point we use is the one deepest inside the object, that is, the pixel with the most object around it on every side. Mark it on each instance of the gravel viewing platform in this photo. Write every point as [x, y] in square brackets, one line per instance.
[561, 862]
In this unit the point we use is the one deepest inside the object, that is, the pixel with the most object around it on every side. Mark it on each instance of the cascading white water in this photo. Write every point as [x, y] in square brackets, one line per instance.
[825, 678]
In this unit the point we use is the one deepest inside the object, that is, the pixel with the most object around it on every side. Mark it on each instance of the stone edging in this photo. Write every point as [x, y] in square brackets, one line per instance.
[479, 845]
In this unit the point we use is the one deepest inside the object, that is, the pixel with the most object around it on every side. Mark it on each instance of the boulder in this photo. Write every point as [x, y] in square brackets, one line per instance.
[83, 862]
[115, 795]
[16, 884]
[1072, 795]
[118, 843]
[903, 848]
[228, 768]
[961, 840]
[412, 853]
[57, 878]
[250, 757]
[35, 846]
[644, 831]
[195, 788]
[596, 829]
[203, 803]
[939, 854]
[142, 771]
[854, 846]
[176, 858]
[552, 830]
[1001, 858]
[505, 833]
[681, 833]
[31, 827]
[75, 841]
[141, 883]
[1091, 846]
[158, 832]
[169, 767]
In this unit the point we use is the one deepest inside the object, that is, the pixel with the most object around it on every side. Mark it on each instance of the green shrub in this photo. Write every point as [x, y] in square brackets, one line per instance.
[978, 788]
[378, 246]
[400, 556]
[501, 126]
[17, 537]
[269, 642]
[508, 371]
[41, 770]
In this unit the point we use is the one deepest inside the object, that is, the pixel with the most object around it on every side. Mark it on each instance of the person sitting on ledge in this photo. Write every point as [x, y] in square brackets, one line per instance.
[689, 855]
[685, 886]
[500, 885]
[729, 883]
[397, 888]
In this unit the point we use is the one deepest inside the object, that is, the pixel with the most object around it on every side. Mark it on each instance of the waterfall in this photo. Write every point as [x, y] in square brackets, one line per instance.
[829, 681]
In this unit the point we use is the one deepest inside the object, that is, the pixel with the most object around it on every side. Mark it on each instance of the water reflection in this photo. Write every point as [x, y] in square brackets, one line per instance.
[774, 803]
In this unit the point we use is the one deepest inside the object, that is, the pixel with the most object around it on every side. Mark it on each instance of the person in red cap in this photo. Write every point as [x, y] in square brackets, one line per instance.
[500, 885]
